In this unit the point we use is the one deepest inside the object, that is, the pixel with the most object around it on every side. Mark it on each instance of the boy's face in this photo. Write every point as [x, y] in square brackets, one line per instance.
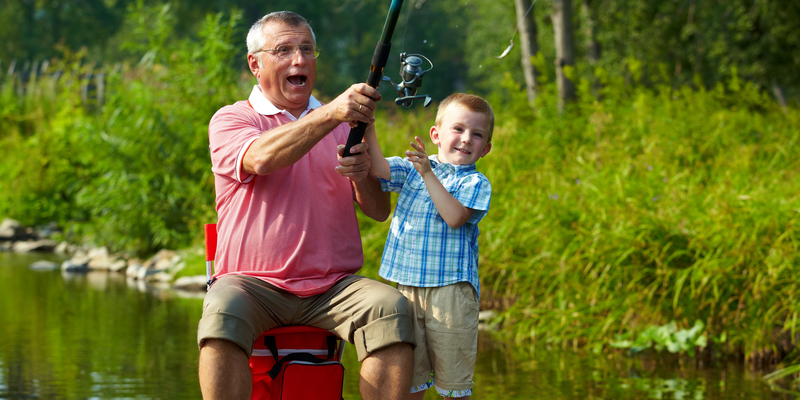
[462, 136]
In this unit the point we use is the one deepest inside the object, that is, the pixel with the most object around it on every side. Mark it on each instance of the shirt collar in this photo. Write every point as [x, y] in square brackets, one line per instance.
[445, 168]
[265, 107]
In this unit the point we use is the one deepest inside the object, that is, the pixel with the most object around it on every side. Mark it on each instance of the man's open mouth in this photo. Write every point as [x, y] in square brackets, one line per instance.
[297, 80]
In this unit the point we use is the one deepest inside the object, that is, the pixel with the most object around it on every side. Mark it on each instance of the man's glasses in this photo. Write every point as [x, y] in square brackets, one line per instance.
[287, 51]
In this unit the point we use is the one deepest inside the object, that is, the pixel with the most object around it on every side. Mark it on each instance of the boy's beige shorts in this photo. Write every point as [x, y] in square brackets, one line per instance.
[369, 314]
[445, 323]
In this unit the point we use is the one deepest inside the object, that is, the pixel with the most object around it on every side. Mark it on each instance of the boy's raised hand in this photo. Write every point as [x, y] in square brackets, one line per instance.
[419, 157]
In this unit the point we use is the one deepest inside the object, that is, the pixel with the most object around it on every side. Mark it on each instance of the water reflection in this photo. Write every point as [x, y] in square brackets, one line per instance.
[102, 336]
[517, 372]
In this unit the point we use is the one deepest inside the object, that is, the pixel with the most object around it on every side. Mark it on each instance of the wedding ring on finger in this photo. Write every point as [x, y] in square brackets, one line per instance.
[359, 107]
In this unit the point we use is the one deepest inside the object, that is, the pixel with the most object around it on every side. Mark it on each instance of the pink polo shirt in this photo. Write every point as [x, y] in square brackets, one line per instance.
[295, 228]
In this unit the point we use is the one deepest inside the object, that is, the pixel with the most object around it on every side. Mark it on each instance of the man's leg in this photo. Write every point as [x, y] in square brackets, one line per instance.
[234, 314]
[224, 371]
[386, 373]
[374, 317]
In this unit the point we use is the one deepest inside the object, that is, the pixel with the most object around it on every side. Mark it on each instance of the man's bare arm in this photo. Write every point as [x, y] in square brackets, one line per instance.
[288, 143]
[374, 202]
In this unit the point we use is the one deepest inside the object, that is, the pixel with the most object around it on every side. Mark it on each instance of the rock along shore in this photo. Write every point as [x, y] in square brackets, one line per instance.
[160, 268]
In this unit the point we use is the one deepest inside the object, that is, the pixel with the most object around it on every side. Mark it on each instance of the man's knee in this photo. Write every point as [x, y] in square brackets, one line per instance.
[225, 294]
[389, 325]
[220, 346]
[223, 370]
[390, 301]
[386, 373]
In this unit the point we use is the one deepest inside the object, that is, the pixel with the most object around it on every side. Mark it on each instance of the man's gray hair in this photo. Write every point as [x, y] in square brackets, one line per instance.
[255, 38]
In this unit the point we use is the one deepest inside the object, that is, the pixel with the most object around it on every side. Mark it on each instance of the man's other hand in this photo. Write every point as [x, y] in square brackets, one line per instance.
[356, 166]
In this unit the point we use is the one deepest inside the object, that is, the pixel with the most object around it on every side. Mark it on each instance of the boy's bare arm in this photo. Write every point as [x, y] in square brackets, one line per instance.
[379, 166]
[452, 211]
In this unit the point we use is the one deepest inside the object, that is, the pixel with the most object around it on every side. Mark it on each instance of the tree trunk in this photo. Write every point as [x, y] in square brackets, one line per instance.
[529, 44]
[592, 47]
[562, 25]
[697, 66]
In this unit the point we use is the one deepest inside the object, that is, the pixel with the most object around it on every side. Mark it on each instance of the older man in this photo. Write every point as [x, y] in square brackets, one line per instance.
[289, 243]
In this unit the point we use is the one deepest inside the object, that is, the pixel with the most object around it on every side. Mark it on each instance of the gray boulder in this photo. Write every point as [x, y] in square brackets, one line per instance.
[190, 283]
[10, 229]
[44, 265]
[44, 245]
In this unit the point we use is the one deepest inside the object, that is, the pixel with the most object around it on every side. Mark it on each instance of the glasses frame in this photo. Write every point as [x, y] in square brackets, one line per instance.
[295, 48]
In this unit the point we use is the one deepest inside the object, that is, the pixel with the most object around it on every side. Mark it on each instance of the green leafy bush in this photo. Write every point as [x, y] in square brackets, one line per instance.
[131, 172]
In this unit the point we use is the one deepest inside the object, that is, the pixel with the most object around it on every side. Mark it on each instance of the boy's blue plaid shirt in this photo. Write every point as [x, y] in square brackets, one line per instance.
[422, 250]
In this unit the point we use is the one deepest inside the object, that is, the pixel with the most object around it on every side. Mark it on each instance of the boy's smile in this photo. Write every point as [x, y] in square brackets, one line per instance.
[462, 136]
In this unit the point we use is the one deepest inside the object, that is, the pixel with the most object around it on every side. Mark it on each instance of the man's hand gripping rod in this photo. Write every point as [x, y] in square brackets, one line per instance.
[376, 68]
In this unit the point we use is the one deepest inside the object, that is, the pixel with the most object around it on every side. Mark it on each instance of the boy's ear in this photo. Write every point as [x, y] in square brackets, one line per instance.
[486, 149]
[435, 135]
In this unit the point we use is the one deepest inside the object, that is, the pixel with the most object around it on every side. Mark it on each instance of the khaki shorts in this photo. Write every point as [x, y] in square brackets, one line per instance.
[446, 327]
[366, 313]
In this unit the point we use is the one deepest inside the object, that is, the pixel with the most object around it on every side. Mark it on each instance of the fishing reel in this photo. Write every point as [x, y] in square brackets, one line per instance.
[411, 72]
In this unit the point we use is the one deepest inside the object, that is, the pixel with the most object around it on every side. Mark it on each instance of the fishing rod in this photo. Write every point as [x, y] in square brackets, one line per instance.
[411, 72]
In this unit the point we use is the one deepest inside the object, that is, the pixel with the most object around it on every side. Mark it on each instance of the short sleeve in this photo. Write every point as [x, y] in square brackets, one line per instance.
[399, 170]
[475, 192]
[229, 132]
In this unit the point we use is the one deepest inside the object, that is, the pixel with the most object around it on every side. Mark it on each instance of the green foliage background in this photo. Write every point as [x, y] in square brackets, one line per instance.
[660, 198]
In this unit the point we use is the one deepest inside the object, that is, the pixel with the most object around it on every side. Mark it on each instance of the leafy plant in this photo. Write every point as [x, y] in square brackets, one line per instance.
[667, 337]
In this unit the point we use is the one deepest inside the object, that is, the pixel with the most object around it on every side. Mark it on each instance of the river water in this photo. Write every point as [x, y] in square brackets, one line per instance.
[98, 336]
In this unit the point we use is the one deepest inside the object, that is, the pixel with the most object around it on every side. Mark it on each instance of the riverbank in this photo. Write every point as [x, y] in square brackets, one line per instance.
[164, 267]
[167, 268]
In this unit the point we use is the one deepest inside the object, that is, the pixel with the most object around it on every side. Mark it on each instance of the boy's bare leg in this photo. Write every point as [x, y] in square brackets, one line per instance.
[224, 371]
[386, 373]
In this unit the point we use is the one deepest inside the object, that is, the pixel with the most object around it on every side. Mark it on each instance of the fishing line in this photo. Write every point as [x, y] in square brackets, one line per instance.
[408, 18]
[511, 46]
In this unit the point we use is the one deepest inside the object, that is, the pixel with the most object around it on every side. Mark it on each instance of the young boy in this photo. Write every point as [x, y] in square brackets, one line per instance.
[432, 248]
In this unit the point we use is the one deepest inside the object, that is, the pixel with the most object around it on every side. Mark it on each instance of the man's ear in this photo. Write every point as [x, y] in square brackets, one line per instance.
[486, 149]
[435, 135]
[252, 62]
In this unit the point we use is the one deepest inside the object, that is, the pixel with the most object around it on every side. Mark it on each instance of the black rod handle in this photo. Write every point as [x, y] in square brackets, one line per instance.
[374, 79]
[379, 58]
